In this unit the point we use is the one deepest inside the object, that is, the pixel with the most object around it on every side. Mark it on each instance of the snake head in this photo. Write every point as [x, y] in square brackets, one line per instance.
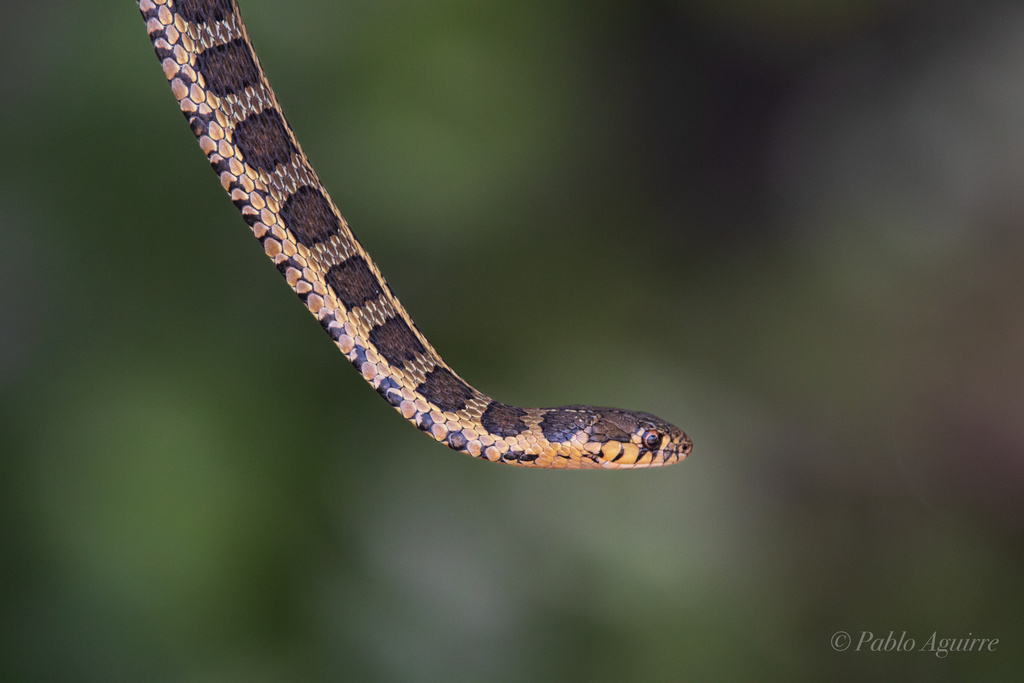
[633, 439]
[618, 438]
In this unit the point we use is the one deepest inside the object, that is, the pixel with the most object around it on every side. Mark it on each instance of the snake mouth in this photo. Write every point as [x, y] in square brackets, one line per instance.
[672, 453]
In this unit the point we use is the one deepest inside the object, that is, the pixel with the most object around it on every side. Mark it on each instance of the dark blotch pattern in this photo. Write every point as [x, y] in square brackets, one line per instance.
[395, 342]
[162, 53]
[503, 420]
[228, 68]
[559, 424]
[358, 357]
[200, 125]
[204, 11]
[456, 440]
[289, 262]
[391, 391]
[307, 213]
[445, 390]
[519, 456]
[334, 332]
[263, 140]
[353, 282]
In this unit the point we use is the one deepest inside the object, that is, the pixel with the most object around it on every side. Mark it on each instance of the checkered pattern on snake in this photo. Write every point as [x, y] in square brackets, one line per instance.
[216, 77]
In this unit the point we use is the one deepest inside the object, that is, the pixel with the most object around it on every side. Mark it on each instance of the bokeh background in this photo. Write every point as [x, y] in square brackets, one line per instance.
[792, 227]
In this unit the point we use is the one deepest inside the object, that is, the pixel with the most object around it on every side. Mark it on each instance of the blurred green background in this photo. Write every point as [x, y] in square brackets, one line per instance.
[792, 228]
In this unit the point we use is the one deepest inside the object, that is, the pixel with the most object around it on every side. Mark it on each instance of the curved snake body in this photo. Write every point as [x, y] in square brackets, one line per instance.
[216, 77]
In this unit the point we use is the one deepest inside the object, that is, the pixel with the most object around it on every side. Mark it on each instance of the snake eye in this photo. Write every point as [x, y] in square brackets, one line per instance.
[652, 440]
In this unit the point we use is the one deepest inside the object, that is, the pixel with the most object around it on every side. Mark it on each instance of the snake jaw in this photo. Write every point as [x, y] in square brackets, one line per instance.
[674, 449]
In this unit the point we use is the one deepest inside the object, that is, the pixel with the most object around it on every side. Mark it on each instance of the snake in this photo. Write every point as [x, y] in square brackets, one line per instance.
[215, 76]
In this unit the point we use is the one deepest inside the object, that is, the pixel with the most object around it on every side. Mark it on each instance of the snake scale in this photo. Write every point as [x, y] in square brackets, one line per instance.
[214, 74]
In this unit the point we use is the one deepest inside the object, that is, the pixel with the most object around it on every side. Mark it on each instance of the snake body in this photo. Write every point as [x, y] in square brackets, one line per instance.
[220, 86]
